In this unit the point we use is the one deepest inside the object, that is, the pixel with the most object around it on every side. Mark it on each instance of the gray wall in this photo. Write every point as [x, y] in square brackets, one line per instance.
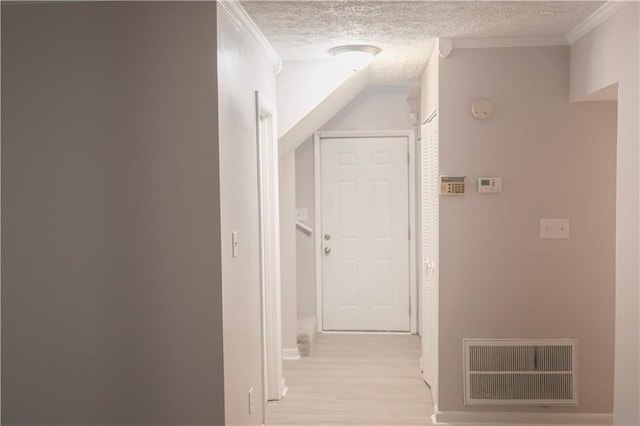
[557, 159]
[111, 298]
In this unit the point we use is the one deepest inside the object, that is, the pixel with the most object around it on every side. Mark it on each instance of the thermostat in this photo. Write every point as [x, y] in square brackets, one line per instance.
[453, 185]
[489, 185]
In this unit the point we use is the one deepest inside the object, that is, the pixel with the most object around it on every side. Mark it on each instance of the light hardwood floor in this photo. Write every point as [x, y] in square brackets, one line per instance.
[355, 380]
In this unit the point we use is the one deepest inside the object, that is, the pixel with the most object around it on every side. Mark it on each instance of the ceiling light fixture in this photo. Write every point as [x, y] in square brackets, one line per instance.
[354, 56]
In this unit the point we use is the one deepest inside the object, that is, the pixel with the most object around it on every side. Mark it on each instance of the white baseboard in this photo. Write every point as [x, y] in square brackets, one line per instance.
[486, 418]
[290, 354]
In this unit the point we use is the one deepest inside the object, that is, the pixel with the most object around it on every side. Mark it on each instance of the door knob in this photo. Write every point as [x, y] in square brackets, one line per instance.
[327, 250]
[327, 237]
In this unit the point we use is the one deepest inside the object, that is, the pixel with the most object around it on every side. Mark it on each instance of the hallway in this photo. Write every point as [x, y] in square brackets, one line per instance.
[357, 380]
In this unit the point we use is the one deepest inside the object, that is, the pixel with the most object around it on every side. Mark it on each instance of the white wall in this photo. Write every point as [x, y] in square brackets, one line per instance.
[430, 84]
[111, 287]
[608, 55]
[287, 171]
[242, 69]
[303, 85]
[305, 246]
[557, 159]
[376, 108]
[323, 112]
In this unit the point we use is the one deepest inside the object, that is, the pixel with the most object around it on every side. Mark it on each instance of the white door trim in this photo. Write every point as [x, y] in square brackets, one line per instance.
[413, 287]
[273, 384]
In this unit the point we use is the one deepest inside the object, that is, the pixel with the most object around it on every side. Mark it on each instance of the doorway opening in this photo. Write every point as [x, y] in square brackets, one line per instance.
[365, 215]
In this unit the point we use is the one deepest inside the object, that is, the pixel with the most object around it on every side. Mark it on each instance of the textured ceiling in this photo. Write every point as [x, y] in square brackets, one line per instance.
[405, 31]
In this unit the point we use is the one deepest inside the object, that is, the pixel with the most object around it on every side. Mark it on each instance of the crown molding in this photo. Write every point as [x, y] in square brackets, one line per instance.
[480, 43]
[605, 12]
[242, 18]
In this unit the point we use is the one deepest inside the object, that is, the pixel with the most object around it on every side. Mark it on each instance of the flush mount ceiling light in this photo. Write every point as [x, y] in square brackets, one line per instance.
[354, 56]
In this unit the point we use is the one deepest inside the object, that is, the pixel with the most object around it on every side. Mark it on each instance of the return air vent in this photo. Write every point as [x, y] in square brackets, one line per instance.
[522, 372]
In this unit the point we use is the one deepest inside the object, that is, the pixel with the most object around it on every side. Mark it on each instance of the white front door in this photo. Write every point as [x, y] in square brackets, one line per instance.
[365, 234]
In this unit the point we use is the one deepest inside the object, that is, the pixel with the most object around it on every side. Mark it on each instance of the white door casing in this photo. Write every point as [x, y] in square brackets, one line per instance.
[273, 382]
[365, 263]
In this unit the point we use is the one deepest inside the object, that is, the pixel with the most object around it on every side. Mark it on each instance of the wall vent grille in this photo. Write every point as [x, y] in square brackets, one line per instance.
[523, 372]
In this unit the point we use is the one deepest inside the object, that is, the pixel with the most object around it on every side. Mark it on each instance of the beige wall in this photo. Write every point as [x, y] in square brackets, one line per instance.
[111, 289]
[557, 159]
[287, 181]
[242, 69]
[609, 55]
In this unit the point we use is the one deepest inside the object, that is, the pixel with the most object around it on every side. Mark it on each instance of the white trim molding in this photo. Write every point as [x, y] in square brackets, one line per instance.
[605, 12]
[444, 46]
[244, 21]
[269, 243]
[486, 418]
[317, 188]
[483, 43]
[290, 354]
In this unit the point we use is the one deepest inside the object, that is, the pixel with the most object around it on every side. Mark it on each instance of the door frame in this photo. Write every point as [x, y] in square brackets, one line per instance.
[411, 178]
[273, 384]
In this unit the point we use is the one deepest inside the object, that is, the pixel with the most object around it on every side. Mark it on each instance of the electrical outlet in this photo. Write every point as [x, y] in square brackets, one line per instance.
[251, 401]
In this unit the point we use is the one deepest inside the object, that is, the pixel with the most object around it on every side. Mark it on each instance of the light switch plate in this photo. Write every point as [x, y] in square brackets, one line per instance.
[554, 228]
[234, 243]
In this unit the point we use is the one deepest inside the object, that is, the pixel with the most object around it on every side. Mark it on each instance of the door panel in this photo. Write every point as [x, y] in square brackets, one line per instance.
[365, 217]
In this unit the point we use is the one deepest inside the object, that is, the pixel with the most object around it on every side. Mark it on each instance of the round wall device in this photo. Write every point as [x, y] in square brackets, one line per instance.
[481, 109]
